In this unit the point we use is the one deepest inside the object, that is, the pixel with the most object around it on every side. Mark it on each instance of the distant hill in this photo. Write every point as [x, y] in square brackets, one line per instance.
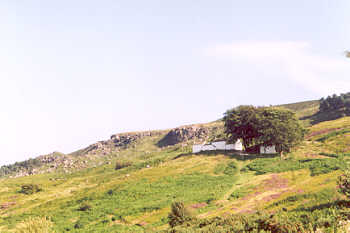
[128, 183]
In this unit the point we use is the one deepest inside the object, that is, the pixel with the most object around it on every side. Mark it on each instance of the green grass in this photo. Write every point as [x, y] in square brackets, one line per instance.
[137, 197]
[276, 165]
[333, 134]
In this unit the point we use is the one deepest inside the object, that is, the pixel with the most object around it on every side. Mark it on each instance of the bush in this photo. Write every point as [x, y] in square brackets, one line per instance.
[85, 207]
[30, 189]
[344, 184]
[122, 164]
[179, 214]
[78, 225]
[231, 169]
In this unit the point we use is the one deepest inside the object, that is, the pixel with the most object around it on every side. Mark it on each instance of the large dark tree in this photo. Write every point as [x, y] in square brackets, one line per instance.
[242, 123]
[281, 128]
[266, 126]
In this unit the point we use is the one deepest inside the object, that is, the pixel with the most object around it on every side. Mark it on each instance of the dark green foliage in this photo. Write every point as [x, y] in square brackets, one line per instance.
[333, 155]
[243, 223]
[335, 106]
[231, 169]
[242, 123]
[266, 126]
[30, 189]
[344, 183]
[276, 165]
[122, 164]
[281, 128]
[328, 219]
[85, 207]
[179, 214]
[78, 225]
[335, 102]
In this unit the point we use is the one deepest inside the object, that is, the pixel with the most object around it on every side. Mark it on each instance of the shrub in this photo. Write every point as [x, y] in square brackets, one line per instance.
[78, 225]
[231, 169]
[179, 214]
[110, 192]
[122, 164]
[30, 189]
[344, 184]
[35, 225]
[85, 207]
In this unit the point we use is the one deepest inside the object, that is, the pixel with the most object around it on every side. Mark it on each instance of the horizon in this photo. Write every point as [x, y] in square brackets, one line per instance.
[74, 73]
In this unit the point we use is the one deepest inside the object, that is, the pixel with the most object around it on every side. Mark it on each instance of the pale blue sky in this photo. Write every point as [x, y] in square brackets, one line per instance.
[75, 72]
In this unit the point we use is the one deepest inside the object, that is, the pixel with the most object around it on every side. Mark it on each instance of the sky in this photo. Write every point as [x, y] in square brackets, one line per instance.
[75, 72]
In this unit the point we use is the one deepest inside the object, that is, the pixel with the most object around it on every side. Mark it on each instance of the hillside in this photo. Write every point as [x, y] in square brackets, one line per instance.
[156, 168]
[103, 152]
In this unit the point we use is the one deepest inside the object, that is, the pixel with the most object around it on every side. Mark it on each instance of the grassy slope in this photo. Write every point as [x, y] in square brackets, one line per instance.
[138, 198]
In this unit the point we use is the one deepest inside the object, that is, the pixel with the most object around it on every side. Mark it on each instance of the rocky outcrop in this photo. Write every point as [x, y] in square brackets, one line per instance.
[184, 134]
[124, 139]
[91, 155]
[117, 142]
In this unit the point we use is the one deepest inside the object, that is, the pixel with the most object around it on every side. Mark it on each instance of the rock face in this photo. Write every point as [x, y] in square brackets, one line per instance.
[116, 143]
[184, 134]
[89, 156]
[124, 139]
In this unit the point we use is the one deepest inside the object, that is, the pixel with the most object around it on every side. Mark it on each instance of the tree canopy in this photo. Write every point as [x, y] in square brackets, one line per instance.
[336, 103]
[267, 126]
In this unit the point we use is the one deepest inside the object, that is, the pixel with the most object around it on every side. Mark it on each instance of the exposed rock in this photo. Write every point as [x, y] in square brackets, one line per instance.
[184, 134]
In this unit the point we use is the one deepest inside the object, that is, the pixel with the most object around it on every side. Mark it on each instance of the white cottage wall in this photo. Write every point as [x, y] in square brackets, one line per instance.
[221, 145]
[196, 148]
[268, 150]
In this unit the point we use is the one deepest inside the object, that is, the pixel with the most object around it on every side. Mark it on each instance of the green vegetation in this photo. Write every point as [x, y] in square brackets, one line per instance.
[276, 165]
[122, 164]
[19, 166]
[344, 184]
[325, 220]
[241, 192]
[333, 134]
[264, 126]
[231, 169]
[145, 188]
[30, 189]
[179, 214]
[336, 103]
[35, 225]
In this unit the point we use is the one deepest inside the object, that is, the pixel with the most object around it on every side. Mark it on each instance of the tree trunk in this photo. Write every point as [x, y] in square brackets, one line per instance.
[281, 154]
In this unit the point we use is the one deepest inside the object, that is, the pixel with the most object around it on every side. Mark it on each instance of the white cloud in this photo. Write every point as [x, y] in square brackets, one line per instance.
[293, 60]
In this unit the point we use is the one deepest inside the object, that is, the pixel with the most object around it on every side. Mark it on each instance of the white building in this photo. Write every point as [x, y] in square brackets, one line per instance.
[268, 150]
[221, 145]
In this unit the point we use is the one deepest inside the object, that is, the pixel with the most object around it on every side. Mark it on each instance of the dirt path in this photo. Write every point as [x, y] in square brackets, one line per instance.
[269, 187]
